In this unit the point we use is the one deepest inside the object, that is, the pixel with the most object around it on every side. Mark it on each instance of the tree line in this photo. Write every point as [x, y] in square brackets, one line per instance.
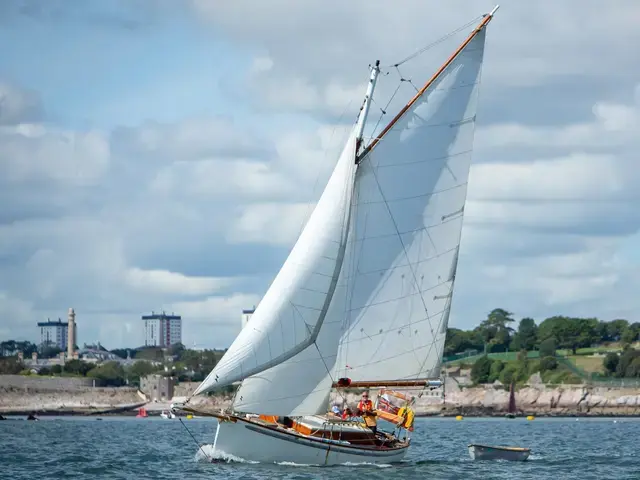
[497, 333]
[187, 365]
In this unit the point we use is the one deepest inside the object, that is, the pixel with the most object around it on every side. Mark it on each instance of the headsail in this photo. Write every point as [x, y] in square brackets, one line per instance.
[290, 316]
[300, 385]
[410, 196]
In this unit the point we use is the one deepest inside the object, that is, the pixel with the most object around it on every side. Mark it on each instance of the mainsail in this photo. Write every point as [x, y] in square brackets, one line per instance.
[410, 197]
[366, 291]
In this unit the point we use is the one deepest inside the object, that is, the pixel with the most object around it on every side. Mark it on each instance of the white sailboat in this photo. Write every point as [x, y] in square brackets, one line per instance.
[363, 299]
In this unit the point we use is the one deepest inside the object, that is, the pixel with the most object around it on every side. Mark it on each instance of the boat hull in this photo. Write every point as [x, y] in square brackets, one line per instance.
[485, 452]
[253, 442]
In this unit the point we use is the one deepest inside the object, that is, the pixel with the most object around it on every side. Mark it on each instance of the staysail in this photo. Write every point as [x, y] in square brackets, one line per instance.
[290, 316]
[409, 202]
[300, 385]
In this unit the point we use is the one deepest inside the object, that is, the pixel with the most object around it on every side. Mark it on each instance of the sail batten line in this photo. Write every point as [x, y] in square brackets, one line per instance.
[424, 88]
[405, 232]
[418, 262]
[419, 292]
[396, 328]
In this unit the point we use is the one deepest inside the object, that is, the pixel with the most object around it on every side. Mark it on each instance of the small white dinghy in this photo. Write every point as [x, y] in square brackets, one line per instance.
[486, 452]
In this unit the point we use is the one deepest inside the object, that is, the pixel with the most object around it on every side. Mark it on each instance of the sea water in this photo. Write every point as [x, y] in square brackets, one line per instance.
[154, 448]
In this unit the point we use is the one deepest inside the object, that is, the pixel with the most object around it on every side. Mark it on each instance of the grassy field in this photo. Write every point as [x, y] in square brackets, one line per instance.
[504, 356]
[588, 364]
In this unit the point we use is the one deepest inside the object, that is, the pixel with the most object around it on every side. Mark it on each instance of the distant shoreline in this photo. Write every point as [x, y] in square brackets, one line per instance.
[133, 413]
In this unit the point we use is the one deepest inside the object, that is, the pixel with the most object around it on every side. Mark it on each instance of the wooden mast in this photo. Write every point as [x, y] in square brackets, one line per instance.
[485, 21]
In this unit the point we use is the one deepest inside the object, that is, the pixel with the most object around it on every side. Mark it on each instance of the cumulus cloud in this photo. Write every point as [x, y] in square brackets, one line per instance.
[196, 216]
[18, 104]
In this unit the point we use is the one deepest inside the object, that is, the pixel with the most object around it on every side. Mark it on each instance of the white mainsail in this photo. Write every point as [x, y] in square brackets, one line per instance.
[366, 291]
[410, 196]
[290, 316]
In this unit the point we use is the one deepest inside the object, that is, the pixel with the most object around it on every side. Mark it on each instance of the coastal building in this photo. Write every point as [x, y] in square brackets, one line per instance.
[162, 330]
[246, 316]
[158, 387]
[54, 334]
[72, 334]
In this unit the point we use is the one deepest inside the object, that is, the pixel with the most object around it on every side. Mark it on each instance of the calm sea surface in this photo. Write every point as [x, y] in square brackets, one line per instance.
[152, 448]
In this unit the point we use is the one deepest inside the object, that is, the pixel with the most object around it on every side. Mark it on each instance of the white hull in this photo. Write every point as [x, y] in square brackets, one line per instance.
[252, 442]
[485, 452]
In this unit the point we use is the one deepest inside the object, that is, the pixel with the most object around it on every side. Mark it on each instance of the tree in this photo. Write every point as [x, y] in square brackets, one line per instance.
[633, 370]
[568, 332]
[615, 328]
[496, 330]
[548, 363]
[140, 369]
[630, 334]
[548, 347]
[496, 368]
[11, 347]
[77, 367]
[508, 374]
[50, 351]
[527, 336]
[176, 349]
[455, 342]
[151, 353]
[481, 370]
[586, 331]
[10, 366]
[610, 362]
[110, 373]
[627, 357]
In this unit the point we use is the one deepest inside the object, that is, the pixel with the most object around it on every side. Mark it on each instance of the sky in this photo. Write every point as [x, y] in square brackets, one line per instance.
[164, 154]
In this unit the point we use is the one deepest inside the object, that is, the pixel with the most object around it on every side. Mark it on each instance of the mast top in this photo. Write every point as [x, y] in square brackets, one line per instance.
[485, 21]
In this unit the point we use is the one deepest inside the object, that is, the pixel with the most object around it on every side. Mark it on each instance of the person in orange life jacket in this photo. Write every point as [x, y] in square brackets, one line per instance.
[346, 413]
[366, 411]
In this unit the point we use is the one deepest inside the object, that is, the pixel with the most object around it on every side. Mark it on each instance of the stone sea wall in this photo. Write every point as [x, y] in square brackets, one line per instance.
[58, 395]
[26, 382]
[62, 395]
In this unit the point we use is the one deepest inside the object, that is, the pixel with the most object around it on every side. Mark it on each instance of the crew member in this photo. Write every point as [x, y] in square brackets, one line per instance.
[366, 411]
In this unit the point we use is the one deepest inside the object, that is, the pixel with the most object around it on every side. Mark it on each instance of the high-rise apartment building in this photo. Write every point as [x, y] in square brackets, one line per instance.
[246, 316]
[162, 330]
[53, 334]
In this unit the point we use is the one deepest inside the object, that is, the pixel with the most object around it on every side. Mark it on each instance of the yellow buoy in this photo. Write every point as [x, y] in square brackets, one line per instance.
[189, 417]
[530, 417]
[458, 417]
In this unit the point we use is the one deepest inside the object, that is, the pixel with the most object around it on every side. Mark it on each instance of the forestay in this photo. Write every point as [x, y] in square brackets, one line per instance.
[290, 316]
[408, 209]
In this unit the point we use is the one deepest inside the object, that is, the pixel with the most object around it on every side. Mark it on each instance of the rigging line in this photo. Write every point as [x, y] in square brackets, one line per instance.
[384, 110]
[436, 42]
[196, 441]
[356, 257]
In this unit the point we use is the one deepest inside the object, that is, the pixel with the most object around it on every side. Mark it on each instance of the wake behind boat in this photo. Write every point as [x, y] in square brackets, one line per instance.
[363, 300]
